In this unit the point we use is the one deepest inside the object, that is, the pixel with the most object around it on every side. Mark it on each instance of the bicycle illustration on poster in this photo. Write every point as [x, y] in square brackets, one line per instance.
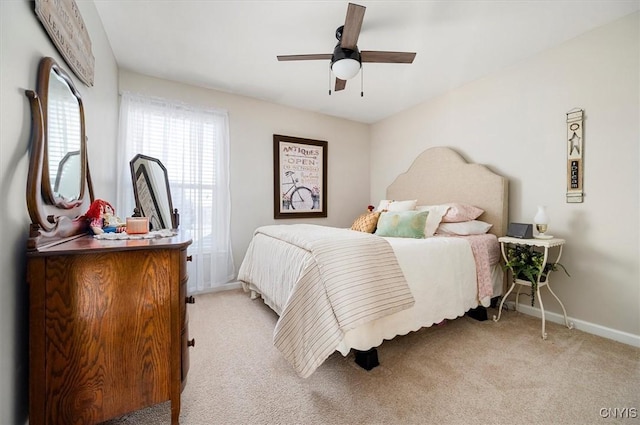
[300, 177]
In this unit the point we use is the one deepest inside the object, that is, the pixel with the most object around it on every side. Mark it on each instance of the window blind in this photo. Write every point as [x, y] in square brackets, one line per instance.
[193, 145]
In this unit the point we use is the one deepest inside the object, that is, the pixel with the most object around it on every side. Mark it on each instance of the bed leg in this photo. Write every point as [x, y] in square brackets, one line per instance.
[479, 313]
[495, 302]
[254, 295]
[367, 359]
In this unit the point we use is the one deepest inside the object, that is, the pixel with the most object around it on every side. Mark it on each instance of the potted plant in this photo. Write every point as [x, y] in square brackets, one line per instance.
[525, 263]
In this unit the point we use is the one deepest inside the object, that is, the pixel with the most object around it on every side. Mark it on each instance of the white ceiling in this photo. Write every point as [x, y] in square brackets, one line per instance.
[232, 45]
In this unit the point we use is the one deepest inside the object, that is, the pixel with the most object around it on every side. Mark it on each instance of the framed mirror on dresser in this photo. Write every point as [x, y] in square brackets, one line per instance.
[108, 317]
[152, 192]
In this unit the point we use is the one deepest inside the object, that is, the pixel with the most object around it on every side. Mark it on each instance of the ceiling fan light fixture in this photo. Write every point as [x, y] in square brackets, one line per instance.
[345, 63]
[345, 69]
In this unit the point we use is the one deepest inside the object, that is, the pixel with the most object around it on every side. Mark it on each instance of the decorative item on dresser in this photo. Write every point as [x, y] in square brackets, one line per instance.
[152, 193]
[108, 317]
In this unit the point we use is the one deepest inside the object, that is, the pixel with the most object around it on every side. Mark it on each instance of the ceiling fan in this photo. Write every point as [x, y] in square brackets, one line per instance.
[346, 59]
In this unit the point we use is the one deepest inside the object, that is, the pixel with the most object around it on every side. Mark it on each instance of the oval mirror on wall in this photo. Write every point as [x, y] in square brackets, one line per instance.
[58, 171]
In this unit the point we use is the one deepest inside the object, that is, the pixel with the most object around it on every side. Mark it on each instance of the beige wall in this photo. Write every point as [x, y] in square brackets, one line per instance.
[252, 124]
[514, 121]
[23, 42]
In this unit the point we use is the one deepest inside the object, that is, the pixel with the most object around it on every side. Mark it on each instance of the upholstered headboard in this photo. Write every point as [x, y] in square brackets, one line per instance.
[440, 175]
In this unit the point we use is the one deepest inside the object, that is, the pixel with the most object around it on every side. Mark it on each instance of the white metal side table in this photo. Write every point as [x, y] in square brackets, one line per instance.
[546, 244]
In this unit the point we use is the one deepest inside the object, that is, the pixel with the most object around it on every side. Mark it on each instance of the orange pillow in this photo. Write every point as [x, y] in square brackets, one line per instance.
[367, 222]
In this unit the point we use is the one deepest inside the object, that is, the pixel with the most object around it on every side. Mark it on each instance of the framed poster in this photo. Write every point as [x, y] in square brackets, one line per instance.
[300, 177]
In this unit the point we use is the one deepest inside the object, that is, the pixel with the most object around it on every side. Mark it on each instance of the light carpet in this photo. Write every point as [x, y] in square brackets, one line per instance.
[459, 373]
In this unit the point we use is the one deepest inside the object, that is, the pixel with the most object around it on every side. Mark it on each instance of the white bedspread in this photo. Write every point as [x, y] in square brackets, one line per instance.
[440, 271]
[354, 278]
[442, 276]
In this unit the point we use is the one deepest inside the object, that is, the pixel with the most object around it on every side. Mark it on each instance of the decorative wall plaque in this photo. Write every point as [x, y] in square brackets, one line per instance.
[63, 22]
[575, 166]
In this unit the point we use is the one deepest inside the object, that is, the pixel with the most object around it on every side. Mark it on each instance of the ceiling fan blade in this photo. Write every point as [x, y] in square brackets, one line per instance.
[352, 26]
[386, 57]
[340, 84]
[319, 56]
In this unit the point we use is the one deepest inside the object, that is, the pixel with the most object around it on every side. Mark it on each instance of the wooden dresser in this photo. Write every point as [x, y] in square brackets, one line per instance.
[108, 328]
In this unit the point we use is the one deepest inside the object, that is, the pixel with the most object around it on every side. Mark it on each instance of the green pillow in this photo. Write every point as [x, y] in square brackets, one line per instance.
[402, 224]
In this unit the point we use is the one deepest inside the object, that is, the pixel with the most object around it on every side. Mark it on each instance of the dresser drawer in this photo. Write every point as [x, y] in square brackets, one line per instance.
[184, 366]
[184, 300]
[183, 264]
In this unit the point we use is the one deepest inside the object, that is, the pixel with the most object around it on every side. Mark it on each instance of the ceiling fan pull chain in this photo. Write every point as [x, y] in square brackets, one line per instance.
[329, 78]
[361, 80]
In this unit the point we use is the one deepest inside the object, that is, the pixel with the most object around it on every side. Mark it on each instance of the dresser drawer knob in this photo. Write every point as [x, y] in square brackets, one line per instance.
[189, 257]
[190, 300]
[191, 343]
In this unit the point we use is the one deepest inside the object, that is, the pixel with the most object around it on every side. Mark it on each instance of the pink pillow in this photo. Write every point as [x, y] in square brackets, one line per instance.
[472, 227]
[458, 213]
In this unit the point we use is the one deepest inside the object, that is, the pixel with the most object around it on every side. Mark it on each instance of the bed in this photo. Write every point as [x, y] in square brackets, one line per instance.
[330, 299]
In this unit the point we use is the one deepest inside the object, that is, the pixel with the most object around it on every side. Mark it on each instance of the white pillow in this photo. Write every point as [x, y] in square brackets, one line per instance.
[464, 228]
[398, 206]
[383, 205]
[436, 212]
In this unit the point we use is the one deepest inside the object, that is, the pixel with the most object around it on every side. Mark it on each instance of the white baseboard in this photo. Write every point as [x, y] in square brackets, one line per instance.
[226, 287]
[592, 328]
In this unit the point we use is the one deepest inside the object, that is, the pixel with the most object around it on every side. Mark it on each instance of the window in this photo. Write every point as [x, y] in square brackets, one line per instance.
[193, 144]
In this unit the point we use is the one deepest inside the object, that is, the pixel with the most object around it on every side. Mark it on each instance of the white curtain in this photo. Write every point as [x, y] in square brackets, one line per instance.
[193, 144]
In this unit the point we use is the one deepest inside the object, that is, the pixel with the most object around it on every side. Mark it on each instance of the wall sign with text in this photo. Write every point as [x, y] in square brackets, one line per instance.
[63, 22]
[575, 165]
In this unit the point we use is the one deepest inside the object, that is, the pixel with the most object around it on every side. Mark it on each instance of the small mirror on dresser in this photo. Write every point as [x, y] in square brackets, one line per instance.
[152, 193]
